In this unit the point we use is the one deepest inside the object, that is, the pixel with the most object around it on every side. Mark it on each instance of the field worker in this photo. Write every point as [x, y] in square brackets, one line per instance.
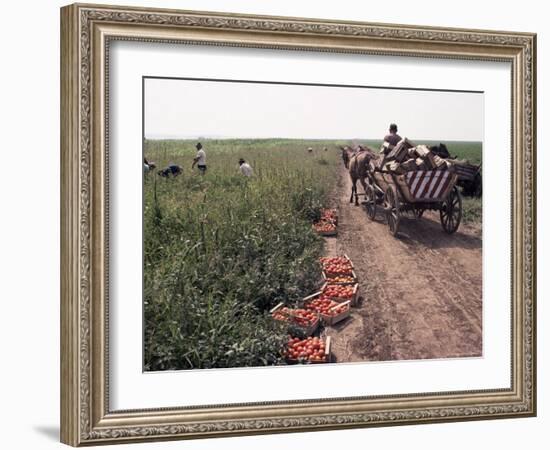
[149, 164]
[393, 138]
[172, 169]
[200, 159]
[245, 168]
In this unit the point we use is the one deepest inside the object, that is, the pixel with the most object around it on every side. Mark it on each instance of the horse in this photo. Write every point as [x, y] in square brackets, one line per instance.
[347, 153]
[440, 150]
[358, 170]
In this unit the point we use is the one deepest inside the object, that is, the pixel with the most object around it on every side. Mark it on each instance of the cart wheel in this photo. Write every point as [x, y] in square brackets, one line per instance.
[451, 211]
[418, 213]
[370, 202]
[391, 203]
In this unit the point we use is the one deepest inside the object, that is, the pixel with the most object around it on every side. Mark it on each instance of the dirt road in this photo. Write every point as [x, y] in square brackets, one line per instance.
[421, 291]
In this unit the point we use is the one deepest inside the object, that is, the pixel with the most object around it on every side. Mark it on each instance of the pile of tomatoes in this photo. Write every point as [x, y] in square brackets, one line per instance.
[329, 215]
[342, 279]
[301, 317]
[338, 310]
[309, 349]
[324, 227]
[328, 221]
[304, 317]
[282, 314]
[327, 307]
[339, 291]
[321, 304]
[337, 265]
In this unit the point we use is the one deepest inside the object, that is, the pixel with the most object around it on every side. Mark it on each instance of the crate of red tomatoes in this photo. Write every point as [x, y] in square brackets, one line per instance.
[328, 223]
[336, 313]
[331, 311]
[334, 266]
[325, 228]
[341, 292]
[307, 321]
[311, 350]
[341, 279]
[329, 215]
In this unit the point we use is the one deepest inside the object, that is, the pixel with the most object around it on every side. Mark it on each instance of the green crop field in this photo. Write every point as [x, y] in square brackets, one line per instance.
[221, 250]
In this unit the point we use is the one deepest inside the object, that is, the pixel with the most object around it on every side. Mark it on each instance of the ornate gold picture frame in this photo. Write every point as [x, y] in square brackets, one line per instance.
[87, 31]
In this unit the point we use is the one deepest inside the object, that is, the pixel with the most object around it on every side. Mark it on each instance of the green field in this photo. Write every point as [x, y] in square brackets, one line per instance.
[220, 250]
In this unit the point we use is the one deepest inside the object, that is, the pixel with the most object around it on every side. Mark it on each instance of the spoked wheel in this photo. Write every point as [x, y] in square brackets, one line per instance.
[391, 203]
[418, 213]
[451, 211]
[370, 202]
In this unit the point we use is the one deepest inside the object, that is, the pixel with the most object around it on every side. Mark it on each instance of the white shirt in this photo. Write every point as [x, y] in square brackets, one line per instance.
[245, 169]
[202, 158]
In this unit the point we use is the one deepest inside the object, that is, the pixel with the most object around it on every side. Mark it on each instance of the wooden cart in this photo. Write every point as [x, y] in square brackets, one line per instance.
[414, 192]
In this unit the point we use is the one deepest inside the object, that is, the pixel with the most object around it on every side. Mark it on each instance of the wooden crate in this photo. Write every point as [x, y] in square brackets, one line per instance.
[307, 299]
[276, 308]
[324, 361]
[353, 299]
[328, 279]
[328, 274]
[306, 330]
[327, 233]
[333, 320]
[309, 330]
[327, 352]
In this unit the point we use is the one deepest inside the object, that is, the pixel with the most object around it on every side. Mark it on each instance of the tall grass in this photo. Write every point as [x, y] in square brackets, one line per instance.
[220, 250]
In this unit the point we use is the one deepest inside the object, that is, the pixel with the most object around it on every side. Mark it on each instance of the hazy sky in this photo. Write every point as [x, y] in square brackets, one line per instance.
[189, 109]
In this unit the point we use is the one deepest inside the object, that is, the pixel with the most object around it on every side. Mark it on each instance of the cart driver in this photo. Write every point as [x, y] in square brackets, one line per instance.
[391, 140]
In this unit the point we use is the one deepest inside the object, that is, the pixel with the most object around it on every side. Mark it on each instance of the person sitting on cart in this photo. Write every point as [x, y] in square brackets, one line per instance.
[391, 140]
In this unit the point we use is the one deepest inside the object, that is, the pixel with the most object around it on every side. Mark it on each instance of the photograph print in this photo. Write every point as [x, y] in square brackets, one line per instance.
[292, 223]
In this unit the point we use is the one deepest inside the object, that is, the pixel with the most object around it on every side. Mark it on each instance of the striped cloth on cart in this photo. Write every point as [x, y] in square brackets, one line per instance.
[428, 184]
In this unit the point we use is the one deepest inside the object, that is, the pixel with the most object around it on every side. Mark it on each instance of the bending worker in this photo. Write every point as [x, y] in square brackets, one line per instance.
[245, 168]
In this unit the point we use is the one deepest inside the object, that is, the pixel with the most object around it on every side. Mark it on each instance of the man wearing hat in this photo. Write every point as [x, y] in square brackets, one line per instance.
[245, 168]
[200, 159]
